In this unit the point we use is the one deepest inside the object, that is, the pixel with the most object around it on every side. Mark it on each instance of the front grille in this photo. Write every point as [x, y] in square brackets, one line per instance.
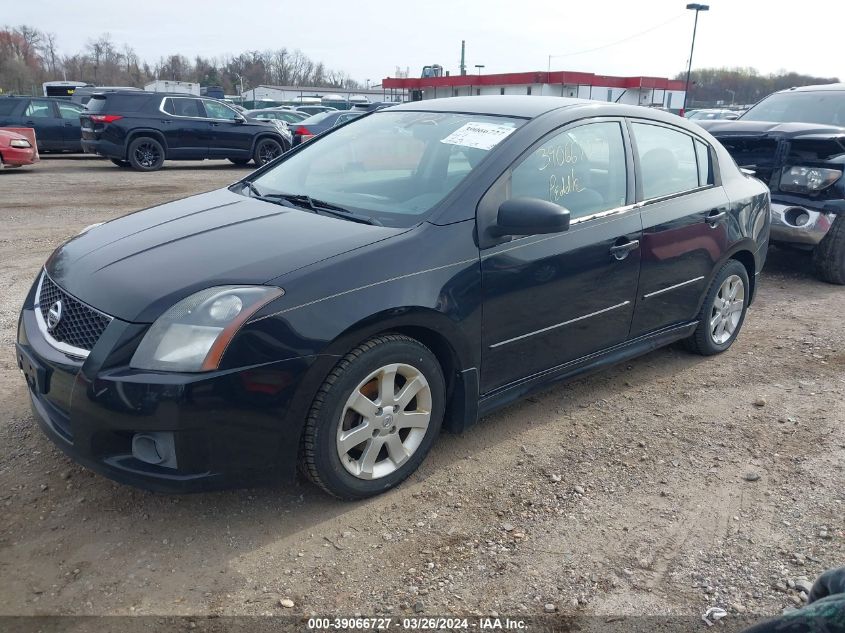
[79, 325]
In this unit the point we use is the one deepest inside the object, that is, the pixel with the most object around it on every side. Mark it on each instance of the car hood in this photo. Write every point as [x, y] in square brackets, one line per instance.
[137, 266]
[719, 128]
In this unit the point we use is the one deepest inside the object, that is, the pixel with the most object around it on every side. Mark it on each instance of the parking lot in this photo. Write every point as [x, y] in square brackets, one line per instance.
[663, 486]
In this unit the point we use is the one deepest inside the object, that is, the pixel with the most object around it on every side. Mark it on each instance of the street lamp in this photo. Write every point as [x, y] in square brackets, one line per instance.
[479, 66]
[733, 95]
[696, 8]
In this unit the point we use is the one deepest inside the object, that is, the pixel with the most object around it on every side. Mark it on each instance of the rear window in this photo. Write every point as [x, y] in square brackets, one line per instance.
[316, 118]
[7, 105]
[114, 103]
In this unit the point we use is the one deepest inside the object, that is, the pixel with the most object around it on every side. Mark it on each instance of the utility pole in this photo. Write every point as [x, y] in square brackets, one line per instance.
[696, 8]
[463, 57]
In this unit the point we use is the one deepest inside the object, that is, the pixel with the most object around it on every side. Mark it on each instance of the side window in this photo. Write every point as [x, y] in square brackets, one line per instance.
[214, 110]
[186, 107]
[67, 111]
[705, 165]
[168, 106]
[668, 161]
[7, 106]
[39, 109]
[582, 169]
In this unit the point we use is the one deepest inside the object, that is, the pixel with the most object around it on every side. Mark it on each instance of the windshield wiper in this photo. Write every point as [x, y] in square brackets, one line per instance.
[312, 204]
[321, 206]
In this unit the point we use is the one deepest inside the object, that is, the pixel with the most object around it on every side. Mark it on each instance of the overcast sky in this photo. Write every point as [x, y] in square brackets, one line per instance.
[369, 38]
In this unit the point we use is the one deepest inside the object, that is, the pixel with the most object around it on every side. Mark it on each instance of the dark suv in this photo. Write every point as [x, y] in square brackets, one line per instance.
[55, 121]
[142, 129]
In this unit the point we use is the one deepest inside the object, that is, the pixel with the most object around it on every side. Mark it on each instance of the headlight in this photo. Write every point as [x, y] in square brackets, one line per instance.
[808, 179]
[19, 142]
[193, 334]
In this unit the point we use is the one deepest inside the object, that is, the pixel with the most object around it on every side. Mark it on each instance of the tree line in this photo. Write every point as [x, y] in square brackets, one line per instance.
[741, 86]
[29, 57]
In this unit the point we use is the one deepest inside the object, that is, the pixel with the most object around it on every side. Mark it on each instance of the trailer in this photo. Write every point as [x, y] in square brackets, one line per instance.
[166, 85]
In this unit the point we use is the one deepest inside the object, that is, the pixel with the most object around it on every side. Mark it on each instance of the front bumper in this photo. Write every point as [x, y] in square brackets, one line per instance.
[17, 156]
[228, 428]
[796, 224]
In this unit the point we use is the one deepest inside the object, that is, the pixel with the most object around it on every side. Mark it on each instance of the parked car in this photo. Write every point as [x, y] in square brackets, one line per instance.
[143, 129]
[416, 268]
[373, 105]
[308, 128]
[16, 150]
[288, 116]
[707, 114]
[794, 140]
[82, 95]
[314, 109]
[55, 121]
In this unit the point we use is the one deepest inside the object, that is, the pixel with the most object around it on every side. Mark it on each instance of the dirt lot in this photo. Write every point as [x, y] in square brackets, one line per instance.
[663, 486]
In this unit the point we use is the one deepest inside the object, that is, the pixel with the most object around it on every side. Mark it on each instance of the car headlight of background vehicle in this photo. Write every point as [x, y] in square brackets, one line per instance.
[808, 179]
[193, 334]
[20, 143]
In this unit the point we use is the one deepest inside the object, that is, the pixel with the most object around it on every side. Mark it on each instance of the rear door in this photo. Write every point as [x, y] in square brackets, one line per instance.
[185, 128]
[552, 299]
[43, 117]
[229, 135]
[71, 127]
[684, 212]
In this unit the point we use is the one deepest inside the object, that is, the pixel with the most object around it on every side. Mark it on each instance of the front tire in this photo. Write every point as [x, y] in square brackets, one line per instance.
[723, 311]
[375, 417]
[829, 255]
[266, 150]
[146, 154]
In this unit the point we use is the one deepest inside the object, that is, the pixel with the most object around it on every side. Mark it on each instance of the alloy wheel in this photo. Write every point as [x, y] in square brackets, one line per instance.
[269, 151]
[726, 310]
[384, 421]
[147, 155]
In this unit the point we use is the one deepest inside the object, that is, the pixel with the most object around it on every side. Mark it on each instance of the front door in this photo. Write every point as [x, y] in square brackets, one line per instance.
[685, 224]
[42, 116]
[229, 135]
[551, 299]
[71, 127]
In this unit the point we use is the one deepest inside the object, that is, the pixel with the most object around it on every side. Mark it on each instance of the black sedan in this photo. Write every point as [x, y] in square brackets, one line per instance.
[55, 121]
[411, 271]
[317, 124]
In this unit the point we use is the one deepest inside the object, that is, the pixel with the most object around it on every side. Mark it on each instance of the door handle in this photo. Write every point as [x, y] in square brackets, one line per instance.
[715, 218]
[166, 121]
[68, 124]
[30, 122]
[621, 251]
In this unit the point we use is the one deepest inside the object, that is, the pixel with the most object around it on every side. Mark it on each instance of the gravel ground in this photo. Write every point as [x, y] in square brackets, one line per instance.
[663, 486]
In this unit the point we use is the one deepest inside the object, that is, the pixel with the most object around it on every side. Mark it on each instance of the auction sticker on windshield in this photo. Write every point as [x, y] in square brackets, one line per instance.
[479, 135]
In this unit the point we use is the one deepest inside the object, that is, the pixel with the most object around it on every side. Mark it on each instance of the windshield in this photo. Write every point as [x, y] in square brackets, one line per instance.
[391, 166]
[826, 107]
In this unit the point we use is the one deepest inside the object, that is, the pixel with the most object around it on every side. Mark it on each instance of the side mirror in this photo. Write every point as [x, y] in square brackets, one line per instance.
[530, 216]
[240, 119]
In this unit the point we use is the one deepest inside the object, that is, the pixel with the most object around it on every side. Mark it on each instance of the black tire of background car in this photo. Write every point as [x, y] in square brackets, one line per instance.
[829, 255]
[265, 146]
[700, 342]
[120, 163]
[318, 450]
[154, 146]
[238, 161]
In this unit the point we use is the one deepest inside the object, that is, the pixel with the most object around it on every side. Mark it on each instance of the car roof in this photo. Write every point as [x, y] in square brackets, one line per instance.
[503, 105]
[816, 88]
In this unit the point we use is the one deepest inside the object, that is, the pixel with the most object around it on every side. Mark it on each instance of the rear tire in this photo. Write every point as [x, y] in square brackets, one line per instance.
[723, 311]
[375, 418]
[266, 150]
[120, 163]
[146, 154]
[238, 161]
[829, 255]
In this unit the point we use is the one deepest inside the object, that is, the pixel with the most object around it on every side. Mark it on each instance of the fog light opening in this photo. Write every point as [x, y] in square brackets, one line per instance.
[796, 216]
[155, 448]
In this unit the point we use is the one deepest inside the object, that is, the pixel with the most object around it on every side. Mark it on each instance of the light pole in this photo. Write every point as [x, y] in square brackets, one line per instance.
[479, 66]
[733, 95]
[696, 8]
